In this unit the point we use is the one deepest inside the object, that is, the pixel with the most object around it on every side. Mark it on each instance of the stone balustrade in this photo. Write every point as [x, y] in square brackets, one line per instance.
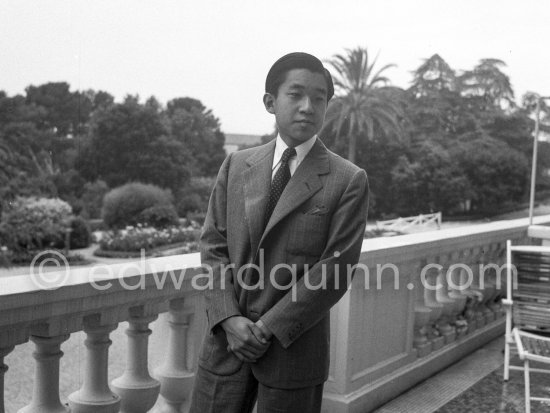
[417, 303]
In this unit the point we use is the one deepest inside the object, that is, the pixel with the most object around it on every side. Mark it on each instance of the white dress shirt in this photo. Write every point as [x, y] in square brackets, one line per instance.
[301, 151]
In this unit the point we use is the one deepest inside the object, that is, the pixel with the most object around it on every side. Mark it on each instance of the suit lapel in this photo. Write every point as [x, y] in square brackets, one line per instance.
[257, 183]
[303, 185]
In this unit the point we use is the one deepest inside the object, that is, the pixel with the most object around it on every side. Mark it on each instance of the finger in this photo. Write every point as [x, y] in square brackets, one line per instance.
[249, 354]
[240, 347]
[253, 343]
[247, 341]
[238, 355]
[245, 356]
[257, 332]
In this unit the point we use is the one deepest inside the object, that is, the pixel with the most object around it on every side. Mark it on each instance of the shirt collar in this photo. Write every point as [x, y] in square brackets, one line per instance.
[301, 150]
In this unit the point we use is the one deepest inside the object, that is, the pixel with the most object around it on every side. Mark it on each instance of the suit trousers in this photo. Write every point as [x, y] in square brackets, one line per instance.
[237, 393]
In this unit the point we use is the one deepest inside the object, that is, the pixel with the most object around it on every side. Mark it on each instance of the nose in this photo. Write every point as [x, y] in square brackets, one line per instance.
[306, 105]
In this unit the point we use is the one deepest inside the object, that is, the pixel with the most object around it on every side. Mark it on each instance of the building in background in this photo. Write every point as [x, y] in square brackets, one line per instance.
[236, 141]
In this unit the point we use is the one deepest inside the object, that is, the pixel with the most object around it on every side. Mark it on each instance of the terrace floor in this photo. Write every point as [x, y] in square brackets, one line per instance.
[473, 384]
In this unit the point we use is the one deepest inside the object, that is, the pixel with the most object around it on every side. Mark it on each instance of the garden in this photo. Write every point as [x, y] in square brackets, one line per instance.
[79, 170]
[136, 219]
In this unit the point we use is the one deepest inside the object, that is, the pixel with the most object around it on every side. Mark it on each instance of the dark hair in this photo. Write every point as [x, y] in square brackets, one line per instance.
[297, 60]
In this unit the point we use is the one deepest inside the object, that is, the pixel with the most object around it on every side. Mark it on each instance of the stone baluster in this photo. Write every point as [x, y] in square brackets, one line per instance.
[456, 287]
[45, 395]
[429, 284]
[137, 390]
[462, 279]
[480, 294]
[473, 298]
[175, 375]
[448, 317]
[3, 369]
[422, 315]
[485, 284]
[95, 395]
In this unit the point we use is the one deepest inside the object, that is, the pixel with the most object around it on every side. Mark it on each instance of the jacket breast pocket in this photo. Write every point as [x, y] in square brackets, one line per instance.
[308, 235]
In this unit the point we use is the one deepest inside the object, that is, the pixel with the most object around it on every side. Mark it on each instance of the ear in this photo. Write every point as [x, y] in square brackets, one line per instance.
[269, 103]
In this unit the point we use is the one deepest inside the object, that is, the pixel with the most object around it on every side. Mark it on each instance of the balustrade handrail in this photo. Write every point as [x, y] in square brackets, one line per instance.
[449, 236]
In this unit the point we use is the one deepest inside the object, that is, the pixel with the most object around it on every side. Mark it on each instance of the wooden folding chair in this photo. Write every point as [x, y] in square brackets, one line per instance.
[527, 311]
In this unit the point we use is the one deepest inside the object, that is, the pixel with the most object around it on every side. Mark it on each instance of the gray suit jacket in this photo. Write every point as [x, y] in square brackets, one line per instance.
[315, 232]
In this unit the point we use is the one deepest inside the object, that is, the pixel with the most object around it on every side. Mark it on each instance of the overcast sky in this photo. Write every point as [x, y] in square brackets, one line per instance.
[220, 51]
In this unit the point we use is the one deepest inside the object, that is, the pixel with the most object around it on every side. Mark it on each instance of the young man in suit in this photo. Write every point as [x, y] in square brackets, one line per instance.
[284, 225]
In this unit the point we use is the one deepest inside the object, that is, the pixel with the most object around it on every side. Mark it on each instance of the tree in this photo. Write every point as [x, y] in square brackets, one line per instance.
[498, 174]
[65, 112]
[130, 142]
[529, 105]
[433, 76]
[486, 80]
[462, 121]
[199, 131]
[363, 102]
[26, 162]
[429, 182]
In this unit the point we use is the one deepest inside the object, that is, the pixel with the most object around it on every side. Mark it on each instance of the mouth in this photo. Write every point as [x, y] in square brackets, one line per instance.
[304, 122]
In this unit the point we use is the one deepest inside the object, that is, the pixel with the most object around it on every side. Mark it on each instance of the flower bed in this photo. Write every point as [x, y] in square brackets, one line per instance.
[135, 239]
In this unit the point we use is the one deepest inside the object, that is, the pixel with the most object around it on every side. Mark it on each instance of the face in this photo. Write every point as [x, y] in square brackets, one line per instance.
[299, 106]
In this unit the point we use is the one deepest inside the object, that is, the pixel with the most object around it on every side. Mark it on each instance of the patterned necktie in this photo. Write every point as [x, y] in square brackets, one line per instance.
[282, 176]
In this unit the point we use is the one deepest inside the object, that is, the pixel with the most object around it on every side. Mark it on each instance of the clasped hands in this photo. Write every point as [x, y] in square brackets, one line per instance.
[247, 340]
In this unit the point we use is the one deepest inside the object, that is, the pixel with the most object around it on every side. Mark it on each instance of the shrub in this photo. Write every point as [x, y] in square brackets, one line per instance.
[194, 196]
[51, 259]
[92, 198]
[159, 216]
[122, 206]
[5, 257]
[81, 236]
[35, 223]
[197, 218]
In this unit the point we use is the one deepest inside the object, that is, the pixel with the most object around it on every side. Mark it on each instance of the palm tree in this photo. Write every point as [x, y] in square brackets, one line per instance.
[363, 102]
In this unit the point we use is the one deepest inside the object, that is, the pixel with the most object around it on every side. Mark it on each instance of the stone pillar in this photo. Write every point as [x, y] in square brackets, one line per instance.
[3, 369]
[95, 396]
[175, 375]
[137, 390]
[45, 395]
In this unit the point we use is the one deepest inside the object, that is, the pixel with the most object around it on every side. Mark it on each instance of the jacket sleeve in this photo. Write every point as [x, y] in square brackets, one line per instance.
[302, 307]
[220, 297]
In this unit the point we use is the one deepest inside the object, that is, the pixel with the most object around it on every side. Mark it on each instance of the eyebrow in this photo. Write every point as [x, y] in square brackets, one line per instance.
[302, 87]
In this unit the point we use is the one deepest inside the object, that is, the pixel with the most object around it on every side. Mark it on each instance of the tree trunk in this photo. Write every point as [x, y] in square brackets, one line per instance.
[352, 148]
